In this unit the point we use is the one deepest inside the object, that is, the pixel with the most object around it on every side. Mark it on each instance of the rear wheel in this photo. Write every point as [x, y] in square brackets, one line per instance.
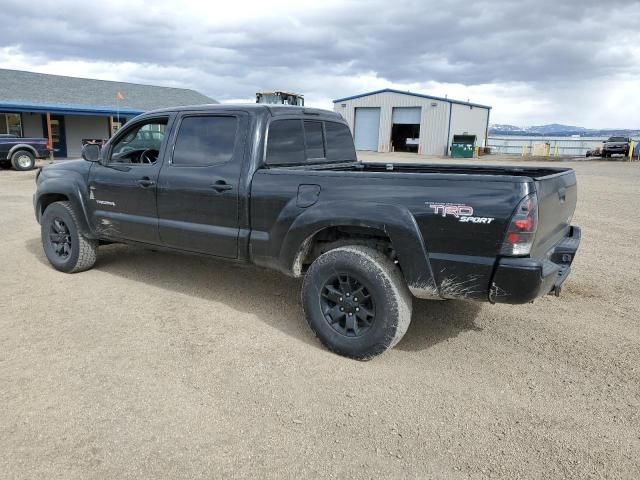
[65, 247]
[356, 301]
[23, 160]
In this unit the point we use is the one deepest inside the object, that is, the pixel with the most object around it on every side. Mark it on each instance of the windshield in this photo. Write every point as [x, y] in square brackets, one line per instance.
[617, 139]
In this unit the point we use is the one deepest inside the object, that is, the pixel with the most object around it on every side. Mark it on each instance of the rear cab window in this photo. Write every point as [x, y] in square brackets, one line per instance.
[299, 142]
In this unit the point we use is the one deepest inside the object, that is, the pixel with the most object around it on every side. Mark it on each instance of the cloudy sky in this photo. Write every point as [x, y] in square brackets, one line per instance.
[535, 62]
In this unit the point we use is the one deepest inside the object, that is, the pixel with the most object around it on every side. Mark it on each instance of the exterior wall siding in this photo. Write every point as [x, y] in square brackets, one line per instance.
[471, 120]
[434, 128]
[32, 125]
[434, 124]
[79, 127]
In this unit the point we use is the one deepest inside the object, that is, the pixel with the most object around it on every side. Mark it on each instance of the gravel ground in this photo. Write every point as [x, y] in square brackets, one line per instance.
[165, 366]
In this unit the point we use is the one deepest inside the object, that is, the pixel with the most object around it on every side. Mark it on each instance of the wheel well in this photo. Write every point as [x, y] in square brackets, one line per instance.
[334, 237]
[23, 149]
[49, 198]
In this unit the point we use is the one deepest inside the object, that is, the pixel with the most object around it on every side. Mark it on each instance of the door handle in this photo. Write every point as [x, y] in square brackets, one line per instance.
[221, 186]
[146, 182]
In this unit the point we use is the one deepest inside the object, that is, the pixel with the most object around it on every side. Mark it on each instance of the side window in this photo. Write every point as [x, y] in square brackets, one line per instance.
[285, 143]
[205, 140]
[314, 139]
[140, 144]
[339, 142]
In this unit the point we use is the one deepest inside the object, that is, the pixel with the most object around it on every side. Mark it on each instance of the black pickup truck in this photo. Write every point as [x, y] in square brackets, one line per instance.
[21, 153]
[281, 187]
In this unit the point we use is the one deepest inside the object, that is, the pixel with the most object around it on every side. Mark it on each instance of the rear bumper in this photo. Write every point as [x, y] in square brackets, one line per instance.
[521, 280]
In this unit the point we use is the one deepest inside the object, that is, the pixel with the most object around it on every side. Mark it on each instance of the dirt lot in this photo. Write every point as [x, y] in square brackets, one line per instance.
[164, 366]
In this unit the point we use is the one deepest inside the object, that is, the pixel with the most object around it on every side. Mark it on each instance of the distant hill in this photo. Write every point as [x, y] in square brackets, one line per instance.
[559, 130]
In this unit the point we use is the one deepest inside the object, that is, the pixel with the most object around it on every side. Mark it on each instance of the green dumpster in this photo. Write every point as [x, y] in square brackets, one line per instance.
[462, 146]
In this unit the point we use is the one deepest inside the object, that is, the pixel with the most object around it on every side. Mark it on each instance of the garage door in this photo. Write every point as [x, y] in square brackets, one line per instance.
[367, 128]
[406, 115]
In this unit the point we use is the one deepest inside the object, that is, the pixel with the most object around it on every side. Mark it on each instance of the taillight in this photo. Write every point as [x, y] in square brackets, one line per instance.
[522, 229]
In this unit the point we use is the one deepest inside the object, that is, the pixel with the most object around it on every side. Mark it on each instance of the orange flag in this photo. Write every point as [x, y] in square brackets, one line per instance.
[119, 96]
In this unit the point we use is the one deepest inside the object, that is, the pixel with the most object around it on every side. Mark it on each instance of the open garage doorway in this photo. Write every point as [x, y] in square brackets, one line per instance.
[405, 129]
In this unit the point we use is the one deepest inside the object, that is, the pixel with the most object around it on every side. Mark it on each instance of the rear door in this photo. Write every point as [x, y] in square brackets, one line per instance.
[198, 199]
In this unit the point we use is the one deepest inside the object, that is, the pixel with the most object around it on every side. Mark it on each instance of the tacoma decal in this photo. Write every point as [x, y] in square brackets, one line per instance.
[99, 202]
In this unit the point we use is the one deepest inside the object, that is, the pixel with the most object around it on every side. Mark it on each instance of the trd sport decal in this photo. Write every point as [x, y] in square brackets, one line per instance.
[464, 213]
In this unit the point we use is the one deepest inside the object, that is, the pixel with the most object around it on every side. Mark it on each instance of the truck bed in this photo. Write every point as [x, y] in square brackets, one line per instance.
[555, 187]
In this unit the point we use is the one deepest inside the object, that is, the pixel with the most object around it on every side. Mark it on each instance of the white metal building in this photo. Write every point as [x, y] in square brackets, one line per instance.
[391, 120]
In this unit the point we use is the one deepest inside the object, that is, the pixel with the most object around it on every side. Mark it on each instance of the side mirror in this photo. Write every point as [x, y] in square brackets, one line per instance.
[91, 152]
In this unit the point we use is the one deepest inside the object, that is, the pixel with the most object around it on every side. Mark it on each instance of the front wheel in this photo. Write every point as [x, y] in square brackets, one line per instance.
[356, 301]
[65, 247]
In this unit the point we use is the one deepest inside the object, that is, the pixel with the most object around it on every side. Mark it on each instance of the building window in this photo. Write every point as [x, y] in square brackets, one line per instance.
[11, 123]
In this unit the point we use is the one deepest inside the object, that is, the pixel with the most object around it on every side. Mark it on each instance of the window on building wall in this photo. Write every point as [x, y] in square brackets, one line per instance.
[11, 123]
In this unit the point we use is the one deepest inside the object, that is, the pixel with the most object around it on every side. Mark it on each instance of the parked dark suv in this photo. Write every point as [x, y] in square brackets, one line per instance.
[615, 145]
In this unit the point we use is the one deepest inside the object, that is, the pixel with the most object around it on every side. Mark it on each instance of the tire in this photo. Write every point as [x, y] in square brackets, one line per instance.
[23, 160]
[65, 247]
[383, 309]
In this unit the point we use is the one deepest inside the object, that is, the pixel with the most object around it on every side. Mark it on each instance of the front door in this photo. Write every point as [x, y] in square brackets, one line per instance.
[122, 188]
[58, 135]
[198, 198]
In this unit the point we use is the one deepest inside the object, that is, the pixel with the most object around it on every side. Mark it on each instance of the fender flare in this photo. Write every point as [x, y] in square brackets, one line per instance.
[72, 190]
[396, 221]
[22, 146]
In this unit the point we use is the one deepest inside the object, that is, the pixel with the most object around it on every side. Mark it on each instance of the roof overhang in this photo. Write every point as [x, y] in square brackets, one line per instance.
[61, 109]
[412, 94]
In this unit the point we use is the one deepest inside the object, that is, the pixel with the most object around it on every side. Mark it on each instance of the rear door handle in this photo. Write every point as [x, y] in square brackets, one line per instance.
[221, 186]
[146, 182]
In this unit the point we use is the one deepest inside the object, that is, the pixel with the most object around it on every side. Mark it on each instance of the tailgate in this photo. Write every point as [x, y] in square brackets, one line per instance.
[557, 197]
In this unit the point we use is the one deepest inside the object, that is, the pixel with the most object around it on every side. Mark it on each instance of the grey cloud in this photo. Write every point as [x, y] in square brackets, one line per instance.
[542, 43]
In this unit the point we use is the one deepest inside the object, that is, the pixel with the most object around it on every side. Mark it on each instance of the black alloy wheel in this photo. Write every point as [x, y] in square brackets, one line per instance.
[60, 238]
[348, 306]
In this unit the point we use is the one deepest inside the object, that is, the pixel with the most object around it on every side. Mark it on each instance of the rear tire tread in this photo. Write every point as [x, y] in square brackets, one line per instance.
[391, 277]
